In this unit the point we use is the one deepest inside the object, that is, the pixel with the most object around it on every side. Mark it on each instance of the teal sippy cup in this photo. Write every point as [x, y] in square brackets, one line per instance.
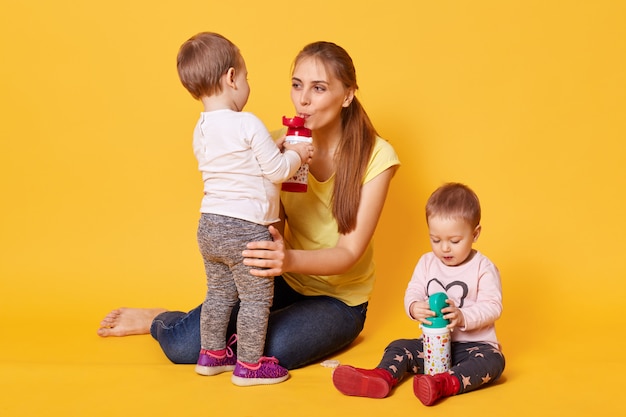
[436, 338]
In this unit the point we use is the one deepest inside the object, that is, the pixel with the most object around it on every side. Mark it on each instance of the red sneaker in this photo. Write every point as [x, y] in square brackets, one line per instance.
[372, 383]
[431, 388]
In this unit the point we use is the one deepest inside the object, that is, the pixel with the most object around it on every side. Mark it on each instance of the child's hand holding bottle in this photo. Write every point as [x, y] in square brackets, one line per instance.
[305, 150]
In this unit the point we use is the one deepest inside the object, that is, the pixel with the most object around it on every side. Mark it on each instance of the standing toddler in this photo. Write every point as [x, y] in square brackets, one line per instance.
[242, 169]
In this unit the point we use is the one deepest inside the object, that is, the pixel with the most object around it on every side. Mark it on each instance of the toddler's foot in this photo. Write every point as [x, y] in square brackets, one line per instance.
[372, 383]
[216, 362]
[430, 388]
[266, 371]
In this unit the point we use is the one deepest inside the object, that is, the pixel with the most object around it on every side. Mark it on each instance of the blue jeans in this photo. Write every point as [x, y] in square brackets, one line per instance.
[301, 330]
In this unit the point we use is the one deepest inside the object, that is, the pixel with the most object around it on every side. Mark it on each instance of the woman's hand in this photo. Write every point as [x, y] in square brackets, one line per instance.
[276, 260]
[454, 315]
[268, 255]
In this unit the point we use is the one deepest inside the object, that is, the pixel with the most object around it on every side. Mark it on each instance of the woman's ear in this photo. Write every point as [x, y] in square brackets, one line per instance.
[348, 98]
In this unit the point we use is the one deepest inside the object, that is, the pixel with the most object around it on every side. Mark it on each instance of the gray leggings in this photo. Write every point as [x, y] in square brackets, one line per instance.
[474, 364]
[221, 240]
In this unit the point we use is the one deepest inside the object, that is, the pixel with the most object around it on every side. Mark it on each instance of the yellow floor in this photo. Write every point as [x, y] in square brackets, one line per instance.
[64, 369]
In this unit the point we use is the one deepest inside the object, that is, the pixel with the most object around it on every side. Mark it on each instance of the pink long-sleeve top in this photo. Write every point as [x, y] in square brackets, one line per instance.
[474, 287]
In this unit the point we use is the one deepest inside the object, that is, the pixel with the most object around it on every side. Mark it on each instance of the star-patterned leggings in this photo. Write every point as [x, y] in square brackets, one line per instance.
[474, 364]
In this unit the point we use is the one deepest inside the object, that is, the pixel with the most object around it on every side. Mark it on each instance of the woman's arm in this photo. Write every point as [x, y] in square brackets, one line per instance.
[329, 261]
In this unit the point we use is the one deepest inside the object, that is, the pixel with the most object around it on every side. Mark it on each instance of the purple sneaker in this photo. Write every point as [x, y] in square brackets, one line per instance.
[266, 371]
[211, 364]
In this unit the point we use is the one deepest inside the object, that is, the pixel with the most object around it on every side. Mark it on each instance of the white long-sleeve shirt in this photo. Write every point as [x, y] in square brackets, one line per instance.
[241, 166]
[474, 287]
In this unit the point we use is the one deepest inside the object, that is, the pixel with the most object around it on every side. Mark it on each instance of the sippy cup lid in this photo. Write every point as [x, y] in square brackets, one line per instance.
[295, 126]
[437, 302]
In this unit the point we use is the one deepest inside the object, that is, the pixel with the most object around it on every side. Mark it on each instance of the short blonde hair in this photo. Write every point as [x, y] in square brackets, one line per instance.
[203, 59]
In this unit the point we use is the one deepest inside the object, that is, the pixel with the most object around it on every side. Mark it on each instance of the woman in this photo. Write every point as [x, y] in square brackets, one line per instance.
[324, 264]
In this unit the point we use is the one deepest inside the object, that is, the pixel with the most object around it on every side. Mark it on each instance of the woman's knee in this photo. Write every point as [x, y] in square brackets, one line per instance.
[179, 352]
[178, 335]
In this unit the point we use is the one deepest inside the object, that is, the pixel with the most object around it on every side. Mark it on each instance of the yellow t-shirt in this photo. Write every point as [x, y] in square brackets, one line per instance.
[311, 225]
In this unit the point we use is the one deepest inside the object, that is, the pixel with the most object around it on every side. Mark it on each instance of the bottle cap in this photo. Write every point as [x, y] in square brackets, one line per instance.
[295, 126]
[437, 302]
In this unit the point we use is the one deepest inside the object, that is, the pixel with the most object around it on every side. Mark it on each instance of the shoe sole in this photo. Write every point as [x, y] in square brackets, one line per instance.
[213, 370]
[349, 381]
[426, 392]
[248, 382]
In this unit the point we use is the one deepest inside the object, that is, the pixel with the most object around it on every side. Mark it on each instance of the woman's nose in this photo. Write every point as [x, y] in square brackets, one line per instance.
[304, 98]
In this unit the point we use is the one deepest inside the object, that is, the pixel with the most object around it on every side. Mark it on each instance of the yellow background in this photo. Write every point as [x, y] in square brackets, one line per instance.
[522, 100]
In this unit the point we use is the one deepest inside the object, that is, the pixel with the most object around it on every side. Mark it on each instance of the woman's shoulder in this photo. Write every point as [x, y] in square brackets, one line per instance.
[384, 152]
[383, 145]
[383, 156]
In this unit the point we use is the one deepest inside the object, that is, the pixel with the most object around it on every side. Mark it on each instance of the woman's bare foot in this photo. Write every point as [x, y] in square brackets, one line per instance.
[128, 321]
